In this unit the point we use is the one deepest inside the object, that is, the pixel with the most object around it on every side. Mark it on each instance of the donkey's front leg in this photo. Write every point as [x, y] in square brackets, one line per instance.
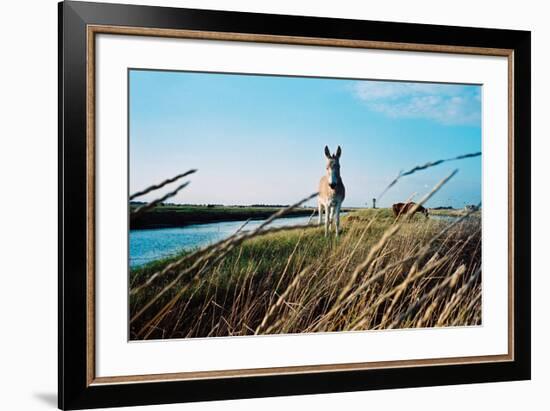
[327, 218]
[337, 219]
[320, 210]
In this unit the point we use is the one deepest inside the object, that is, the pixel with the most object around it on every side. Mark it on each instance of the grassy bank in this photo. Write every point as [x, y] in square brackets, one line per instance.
[454, 212]
[182, 215]
[377, 275]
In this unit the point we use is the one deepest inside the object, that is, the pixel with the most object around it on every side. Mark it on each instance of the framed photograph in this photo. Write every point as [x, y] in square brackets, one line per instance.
[257, 205]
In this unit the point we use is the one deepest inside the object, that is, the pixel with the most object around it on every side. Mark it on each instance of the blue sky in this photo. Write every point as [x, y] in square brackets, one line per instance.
[260, 139]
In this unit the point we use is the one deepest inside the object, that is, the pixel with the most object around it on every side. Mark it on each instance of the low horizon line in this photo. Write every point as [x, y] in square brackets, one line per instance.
[281, 205]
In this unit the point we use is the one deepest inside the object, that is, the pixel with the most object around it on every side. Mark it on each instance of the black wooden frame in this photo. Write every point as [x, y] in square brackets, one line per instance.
[74, 392]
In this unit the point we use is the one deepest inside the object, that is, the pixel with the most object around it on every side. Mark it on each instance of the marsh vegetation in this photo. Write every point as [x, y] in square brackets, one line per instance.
[379, 274]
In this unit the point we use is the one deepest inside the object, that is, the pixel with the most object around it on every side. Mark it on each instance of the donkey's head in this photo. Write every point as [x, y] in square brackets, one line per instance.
[333, 166]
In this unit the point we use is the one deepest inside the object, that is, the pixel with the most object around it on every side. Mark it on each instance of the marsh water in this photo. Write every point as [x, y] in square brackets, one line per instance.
[151, 244]
[449, 218]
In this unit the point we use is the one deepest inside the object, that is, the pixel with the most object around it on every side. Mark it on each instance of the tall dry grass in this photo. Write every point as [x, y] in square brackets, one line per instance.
[294, 281]
[380, 274]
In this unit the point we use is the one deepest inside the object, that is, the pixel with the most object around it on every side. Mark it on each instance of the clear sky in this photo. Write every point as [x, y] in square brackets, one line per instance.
[260, 139]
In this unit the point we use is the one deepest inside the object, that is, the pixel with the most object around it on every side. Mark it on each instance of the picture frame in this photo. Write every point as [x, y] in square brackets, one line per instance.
[80, 23]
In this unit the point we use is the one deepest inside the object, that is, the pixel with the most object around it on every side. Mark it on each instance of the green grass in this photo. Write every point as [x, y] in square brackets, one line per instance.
[301, 281]
[454, 213]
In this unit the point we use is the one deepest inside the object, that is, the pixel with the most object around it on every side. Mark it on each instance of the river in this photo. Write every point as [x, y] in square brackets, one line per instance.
[152, 244]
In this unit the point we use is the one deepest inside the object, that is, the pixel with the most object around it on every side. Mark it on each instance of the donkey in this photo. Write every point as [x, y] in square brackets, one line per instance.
[331, 192]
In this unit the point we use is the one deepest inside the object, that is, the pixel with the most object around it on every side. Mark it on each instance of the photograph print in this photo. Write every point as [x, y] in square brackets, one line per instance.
[262, 204]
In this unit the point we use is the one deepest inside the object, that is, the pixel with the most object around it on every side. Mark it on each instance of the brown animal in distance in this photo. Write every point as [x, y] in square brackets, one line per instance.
[400, 209]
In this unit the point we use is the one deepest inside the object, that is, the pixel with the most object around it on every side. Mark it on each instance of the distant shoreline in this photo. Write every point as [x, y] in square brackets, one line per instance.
[181, 216]
[454, 212]
[173, 216]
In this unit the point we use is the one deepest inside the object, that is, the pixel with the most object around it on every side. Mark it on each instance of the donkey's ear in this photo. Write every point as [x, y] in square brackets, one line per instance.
[338, 152]
[327, 152]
